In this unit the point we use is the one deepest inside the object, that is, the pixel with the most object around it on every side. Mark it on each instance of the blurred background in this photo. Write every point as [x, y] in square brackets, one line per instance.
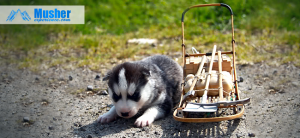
[265, 31]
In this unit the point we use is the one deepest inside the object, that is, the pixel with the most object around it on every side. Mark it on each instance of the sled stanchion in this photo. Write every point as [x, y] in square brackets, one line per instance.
[220, 76]
[233, 56]
[183, 45]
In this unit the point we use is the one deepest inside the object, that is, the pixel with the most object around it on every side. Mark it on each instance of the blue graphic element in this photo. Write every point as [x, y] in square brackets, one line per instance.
[24, 15]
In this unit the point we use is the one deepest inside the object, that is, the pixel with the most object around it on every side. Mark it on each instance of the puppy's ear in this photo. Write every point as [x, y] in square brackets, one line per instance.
[146, 73]
[107, 76]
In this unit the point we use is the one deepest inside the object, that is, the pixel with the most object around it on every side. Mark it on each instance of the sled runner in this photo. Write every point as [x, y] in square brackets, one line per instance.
[210, 90]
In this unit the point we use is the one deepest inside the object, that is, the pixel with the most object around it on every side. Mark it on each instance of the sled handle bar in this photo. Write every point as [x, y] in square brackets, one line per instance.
[205, 5]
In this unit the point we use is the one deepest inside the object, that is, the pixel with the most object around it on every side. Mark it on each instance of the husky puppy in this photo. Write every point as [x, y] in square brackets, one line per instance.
[151, 86]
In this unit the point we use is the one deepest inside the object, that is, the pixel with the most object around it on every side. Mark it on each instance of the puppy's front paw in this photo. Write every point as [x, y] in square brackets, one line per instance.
[144, 121]
[106, 118]
[111, 115]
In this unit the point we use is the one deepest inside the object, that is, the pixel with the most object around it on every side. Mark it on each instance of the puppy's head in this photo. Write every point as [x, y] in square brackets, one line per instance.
[129, 88]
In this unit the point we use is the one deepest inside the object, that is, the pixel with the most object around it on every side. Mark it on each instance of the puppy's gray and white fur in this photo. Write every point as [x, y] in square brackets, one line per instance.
[151, 86]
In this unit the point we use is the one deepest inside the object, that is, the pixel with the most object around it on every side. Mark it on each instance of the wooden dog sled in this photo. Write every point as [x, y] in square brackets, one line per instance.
[210, 91]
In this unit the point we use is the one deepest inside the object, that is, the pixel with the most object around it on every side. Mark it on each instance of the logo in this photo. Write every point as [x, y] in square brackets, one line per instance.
[37, 14]
[55, 15]
[13, 14]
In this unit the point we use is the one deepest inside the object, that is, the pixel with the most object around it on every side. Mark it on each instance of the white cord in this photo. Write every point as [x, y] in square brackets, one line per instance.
[195, 50]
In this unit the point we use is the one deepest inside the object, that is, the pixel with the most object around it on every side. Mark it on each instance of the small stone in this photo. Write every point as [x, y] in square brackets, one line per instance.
[89, 92]
[289, 99]
[77, 124]
[103, 106]
[146, 129]
[270, 106]
[88, 108]
[90, 88]
[251, 134]
[89, 136]
[156, 133]
[70, 78]
[249, 87]
[281, 91]
[295, 84]
[275, 72]
[239, 135]
[97, 77]
[37, 79]
[104, 92]
[26, 119]
[44, 102]
[269, 130]
[241, 79]
[54, 119]
[51, 128]
[26, 124]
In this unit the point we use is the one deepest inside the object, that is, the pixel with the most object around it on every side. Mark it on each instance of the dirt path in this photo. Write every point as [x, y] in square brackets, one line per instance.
[54, 103]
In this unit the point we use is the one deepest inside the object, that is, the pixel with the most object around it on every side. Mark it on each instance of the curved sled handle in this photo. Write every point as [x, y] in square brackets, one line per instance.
[205, 5]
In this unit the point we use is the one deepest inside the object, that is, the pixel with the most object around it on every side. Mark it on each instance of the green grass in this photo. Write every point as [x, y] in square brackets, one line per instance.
[264, 30]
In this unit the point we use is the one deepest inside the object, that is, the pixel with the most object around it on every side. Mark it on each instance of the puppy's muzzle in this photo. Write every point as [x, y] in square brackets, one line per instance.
[125, 114]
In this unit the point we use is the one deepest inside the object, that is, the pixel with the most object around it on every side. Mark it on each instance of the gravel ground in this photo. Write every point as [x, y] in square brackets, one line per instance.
[55, 103]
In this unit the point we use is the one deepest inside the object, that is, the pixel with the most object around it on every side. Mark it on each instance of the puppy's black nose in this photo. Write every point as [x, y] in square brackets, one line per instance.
[125, 114]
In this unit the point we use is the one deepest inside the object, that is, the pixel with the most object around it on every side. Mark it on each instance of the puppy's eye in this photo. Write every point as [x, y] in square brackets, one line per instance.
[135, 96]
[116, 97]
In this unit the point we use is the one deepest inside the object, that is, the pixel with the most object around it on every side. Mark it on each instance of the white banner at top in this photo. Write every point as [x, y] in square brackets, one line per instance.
[39, 14]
